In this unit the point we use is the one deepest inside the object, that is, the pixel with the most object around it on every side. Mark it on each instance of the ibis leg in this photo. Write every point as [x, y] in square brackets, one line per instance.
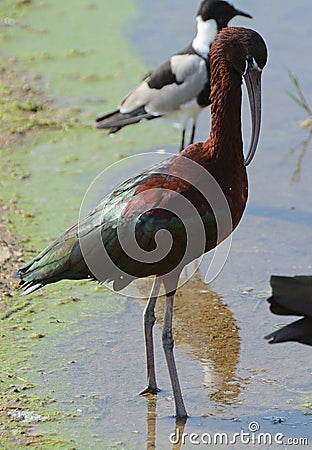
[168, 344]
[149, 321]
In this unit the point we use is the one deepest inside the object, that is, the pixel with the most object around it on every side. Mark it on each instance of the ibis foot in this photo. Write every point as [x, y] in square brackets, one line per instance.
[150, 390]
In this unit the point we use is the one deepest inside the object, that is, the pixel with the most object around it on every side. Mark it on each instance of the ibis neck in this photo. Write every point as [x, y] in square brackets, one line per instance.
[225, 140]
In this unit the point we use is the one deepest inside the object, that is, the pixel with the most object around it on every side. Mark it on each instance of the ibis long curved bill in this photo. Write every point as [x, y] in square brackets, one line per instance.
[252, 79]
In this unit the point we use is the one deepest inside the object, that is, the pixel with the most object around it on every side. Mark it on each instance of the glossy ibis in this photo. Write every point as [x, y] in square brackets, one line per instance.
[292, 296]
[146, 204]
[179, 88]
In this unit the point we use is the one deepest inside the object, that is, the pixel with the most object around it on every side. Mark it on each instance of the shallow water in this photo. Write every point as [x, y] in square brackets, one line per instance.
[92, 361]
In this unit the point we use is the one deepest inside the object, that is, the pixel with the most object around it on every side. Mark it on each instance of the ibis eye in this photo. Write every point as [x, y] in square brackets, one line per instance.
[248, 63]
[251, 64]
[250, 60]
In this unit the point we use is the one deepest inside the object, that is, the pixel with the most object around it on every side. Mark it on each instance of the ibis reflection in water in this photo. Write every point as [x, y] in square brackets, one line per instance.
[146, 204]
[179, 89]
[292, 296]
[206, 330]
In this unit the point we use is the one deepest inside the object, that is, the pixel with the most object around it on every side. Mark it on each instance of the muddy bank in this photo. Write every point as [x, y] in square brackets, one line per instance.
[24, 111]
[10, 257]
[18, 107]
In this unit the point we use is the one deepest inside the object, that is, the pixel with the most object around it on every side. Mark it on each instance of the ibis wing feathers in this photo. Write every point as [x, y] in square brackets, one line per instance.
[64, 258]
